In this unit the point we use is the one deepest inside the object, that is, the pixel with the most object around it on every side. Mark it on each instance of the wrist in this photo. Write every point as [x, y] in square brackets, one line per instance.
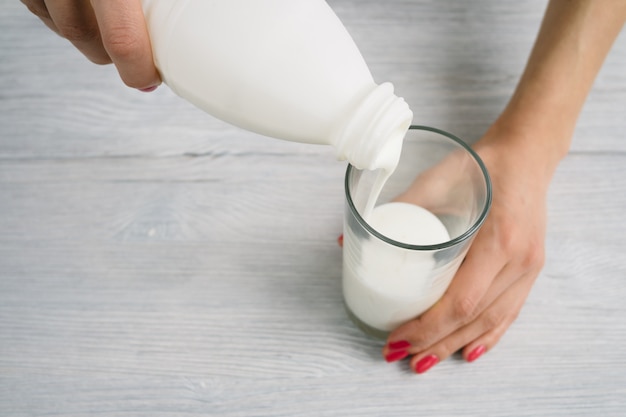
[523, 148]
[543, 133]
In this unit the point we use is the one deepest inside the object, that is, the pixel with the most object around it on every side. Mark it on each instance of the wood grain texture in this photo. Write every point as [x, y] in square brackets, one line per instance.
[157, 262]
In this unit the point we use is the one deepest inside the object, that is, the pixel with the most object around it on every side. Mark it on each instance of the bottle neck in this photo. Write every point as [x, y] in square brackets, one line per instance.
[372, 136]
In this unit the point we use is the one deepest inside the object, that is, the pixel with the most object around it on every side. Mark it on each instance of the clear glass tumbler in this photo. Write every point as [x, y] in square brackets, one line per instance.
[399, 259]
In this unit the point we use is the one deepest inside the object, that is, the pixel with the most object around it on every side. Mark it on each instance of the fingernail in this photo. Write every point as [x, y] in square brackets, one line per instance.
[340, 240]
[400, 344]
[476, 353]
[396, 356]
[148, 89]
[426, 363]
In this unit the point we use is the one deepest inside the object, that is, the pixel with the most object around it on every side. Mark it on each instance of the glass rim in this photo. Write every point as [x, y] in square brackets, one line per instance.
[444, 245]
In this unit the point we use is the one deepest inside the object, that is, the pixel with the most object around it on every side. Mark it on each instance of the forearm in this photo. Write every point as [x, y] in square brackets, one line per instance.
[573, 41]
[520, 150]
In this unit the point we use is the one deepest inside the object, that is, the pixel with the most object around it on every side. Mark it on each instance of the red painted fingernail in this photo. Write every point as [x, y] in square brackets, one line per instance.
[426, 363]
[400, 344]
[148, 89]
[396, 356]
[340, 240]
[476, 353]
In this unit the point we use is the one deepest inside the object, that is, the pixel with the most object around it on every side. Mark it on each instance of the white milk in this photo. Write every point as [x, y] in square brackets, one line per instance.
[383, 285]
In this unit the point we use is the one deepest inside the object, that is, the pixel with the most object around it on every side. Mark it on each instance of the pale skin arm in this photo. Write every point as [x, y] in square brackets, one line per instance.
[521, 151]
[105, 31]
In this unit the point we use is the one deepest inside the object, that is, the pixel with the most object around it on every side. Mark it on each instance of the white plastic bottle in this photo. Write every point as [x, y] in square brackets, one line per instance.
[282, 68]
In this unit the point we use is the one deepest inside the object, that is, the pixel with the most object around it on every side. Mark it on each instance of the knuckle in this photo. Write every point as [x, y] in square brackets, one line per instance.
[122, 42]
[508, 241]
[535, 257]
[514, 243]
[492, 319]
[76, 33]
[500, 320]
[464, 308]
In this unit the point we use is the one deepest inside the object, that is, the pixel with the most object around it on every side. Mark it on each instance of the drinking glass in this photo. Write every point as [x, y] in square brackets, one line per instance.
[387, 282]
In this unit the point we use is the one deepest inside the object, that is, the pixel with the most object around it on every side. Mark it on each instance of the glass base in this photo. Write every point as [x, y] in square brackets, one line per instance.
[367, 329]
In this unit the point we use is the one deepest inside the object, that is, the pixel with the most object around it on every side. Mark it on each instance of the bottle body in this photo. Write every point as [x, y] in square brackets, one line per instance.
[282, 68]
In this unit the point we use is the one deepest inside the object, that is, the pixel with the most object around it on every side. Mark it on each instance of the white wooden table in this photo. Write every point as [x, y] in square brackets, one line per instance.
[155, 261]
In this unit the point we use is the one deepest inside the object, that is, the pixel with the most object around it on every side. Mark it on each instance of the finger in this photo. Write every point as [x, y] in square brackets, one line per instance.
[483, 333]
[39, 9]
[125, 38]
[75, 21]
[500, 285]
[510, 304]
[461, 301]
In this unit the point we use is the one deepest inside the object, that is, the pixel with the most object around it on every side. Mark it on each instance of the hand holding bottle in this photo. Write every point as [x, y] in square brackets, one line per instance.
[105, 31]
